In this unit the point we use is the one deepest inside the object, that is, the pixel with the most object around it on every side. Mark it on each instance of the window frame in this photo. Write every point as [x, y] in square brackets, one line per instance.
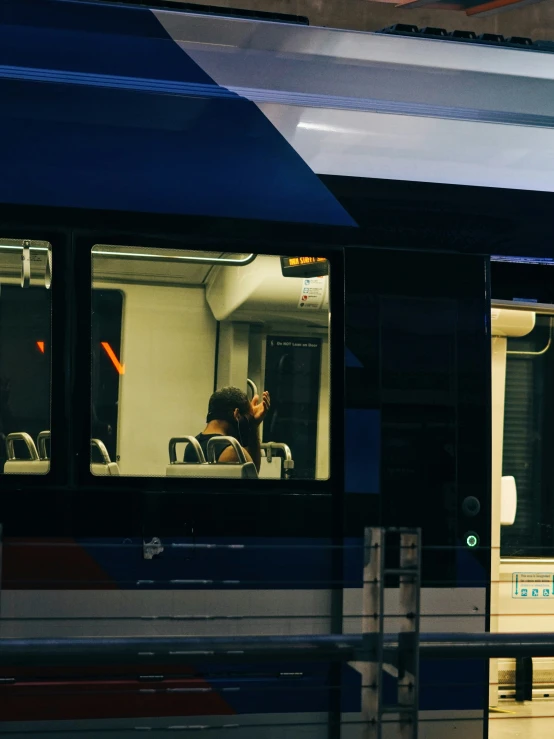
[69, 501]
[193, 487]
[57, 473]
[535, 543]
[39, 505]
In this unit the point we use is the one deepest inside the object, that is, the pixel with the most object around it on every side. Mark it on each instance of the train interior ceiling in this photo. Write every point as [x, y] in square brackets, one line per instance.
[168, 328]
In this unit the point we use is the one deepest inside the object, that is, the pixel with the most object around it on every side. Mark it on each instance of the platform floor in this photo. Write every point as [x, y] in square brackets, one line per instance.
[532, 720]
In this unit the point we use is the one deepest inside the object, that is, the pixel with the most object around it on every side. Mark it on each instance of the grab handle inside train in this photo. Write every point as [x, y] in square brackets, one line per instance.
[212, 443]
[29, 465]
[102, 449]
[106, 468]
[42, 438]
[252, 387]
[275, 452]
[26, 439]
[182, 440]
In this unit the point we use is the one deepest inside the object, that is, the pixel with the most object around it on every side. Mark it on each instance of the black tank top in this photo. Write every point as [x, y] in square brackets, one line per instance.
[190, 454]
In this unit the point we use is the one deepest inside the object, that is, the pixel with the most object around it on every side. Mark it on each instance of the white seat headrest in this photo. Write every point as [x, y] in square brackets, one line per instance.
[104, 470]
[221, 470]
[33, 465]
[26, 466]
[508, 501]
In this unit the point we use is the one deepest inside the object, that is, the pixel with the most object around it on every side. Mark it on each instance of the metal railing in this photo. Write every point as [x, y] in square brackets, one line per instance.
[372, 650]
[322, 648]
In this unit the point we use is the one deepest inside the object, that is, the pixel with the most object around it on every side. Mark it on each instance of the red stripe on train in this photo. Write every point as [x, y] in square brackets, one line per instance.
[51, 564]
[88, 699]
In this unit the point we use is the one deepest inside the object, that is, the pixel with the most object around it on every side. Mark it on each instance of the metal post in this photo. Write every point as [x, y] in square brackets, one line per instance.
[524, 679]
[179, 650]
[407, 659]
[408, 669]
[373, 631]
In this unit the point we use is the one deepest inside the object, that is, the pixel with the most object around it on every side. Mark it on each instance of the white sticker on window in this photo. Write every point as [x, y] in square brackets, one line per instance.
[311, 293]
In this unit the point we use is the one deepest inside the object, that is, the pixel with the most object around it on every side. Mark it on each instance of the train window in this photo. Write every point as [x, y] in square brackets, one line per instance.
[25, 331]
[529, 432]
[209, 364]
[107, 310]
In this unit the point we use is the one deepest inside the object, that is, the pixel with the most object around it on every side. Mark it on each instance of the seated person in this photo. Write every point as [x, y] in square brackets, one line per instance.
[230, 413]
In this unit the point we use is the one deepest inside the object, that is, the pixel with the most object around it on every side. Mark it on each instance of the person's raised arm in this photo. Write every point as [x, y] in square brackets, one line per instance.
[258, 411]
[256, 414]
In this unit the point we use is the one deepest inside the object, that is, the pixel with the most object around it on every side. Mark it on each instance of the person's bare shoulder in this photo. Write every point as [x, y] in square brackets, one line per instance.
[229, 455]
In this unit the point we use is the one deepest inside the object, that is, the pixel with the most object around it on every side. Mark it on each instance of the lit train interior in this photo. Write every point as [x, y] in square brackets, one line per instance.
[168, 329]
[522, 571]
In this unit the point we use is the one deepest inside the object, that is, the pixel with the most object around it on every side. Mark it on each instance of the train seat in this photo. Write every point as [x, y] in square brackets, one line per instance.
[242, 469]
[26, 466]
[31, 465]
[105, 468]
[272, 463]
[270, 466]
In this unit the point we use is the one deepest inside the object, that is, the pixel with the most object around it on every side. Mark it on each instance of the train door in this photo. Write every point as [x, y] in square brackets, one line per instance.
[417, 453]
[522, 572]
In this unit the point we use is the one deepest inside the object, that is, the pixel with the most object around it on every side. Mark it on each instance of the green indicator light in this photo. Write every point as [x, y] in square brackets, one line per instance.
[472, 540]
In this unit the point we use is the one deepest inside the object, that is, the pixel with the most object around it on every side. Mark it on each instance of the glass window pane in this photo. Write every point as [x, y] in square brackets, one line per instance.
[527, 436]
[25, 330]
[209, 364]
[523, 393]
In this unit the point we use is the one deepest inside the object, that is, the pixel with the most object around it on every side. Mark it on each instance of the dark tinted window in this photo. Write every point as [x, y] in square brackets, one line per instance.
[25, 350]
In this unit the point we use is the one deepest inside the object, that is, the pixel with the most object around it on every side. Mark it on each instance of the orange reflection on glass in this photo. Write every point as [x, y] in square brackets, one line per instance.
[120, 367]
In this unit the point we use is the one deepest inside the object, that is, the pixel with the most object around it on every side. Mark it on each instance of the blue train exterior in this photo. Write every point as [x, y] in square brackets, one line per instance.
[126, 122]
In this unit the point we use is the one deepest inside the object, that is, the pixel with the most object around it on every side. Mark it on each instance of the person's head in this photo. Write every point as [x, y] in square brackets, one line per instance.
[229, 406]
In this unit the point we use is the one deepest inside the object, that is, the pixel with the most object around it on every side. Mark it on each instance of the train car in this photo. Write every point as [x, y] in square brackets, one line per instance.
[522, 553]
[192, 201]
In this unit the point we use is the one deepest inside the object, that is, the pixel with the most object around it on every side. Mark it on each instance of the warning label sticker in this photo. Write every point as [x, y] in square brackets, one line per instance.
[532, 585]
[311, 293]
